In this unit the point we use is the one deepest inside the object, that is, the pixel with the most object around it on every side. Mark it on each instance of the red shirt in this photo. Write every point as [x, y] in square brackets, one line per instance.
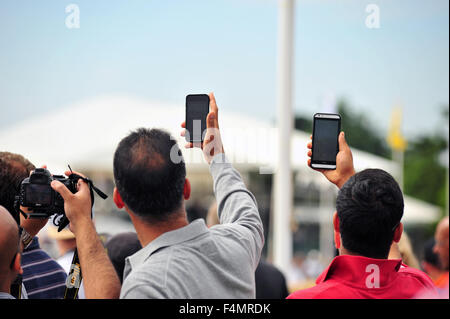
[357, 277]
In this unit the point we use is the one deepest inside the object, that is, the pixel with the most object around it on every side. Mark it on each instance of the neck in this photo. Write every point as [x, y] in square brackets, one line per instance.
[5, 285]
[343, 251]
[148, 232]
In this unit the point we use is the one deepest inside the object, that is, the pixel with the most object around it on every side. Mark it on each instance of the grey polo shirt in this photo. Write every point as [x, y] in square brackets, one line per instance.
[200, 262]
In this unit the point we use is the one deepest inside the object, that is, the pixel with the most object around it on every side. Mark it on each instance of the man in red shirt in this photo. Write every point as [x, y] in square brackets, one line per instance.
[369, 208]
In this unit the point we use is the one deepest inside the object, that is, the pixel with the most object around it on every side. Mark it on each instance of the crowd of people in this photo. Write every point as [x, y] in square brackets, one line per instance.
[174, 255]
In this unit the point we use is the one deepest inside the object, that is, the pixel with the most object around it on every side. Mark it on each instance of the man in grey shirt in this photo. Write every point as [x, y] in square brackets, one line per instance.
[179, 260]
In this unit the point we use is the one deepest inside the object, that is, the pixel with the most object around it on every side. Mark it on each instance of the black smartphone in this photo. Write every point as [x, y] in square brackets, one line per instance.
[325, 140]
[197, 108]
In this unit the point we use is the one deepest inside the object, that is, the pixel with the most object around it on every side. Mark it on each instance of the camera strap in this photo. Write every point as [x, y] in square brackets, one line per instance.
[74, 278]
[75, 177]
[16, 287]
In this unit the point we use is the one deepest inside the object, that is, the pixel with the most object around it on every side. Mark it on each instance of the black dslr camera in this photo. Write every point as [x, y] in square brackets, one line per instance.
[37, 195]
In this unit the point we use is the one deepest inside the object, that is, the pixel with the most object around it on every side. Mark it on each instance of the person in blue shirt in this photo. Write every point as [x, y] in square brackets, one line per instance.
[43, 277]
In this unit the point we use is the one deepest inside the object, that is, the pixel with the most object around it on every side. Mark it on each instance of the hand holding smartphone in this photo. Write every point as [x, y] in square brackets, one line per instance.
[325, 144]
[327, 141]
[201, 128]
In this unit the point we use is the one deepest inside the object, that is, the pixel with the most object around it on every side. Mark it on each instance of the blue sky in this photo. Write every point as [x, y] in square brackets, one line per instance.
[164, 50]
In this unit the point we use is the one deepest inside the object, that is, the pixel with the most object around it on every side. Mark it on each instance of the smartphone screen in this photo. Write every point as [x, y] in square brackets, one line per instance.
[325, 146]
[197, 108]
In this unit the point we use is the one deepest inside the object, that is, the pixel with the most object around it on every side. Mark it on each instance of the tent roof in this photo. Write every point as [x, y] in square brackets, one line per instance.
[85, 135]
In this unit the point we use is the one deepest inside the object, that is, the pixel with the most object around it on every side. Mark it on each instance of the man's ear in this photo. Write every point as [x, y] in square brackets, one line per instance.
[337, 234]
[398, 233]
[187, 189]
[118, 199]
[16, 266]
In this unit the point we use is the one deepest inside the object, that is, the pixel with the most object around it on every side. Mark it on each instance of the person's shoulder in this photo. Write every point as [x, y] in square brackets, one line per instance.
[326, 290]
[147, 280]
[143, 290]
[410, 273]
[152, 271]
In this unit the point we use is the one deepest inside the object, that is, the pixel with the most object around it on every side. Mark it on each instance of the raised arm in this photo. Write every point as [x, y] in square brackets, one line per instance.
[235, 203]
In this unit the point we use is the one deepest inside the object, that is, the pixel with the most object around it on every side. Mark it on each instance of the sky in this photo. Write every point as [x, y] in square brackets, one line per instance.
[164, 50]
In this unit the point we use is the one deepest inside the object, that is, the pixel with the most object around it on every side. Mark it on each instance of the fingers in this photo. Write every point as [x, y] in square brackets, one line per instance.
[65, 193]
[67, 173]
[309, 145]
[192, 145]
[214, 109]
[183, 125]
[213, 104]
[82, 186]
[211, 120]
[342, 142]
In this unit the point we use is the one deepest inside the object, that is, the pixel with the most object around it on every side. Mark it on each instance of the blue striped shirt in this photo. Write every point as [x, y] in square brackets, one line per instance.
[43, 277]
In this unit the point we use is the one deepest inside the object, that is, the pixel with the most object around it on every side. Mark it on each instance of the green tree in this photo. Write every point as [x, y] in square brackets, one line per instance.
[360, 132]
[424, 173]
[425, 176]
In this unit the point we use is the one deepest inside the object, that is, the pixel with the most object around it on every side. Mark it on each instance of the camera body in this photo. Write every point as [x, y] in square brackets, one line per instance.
[37, 194]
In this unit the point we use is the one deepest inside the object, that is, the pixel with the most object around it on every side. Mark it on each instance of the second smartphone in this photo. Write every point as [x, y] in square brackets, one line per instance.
[197, 109]
[325, 140]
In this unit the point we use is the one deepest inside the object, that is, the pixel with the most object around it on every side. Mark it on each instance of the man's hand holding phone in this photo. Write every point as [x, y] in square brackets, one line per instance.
[212, 142]
[344, 163]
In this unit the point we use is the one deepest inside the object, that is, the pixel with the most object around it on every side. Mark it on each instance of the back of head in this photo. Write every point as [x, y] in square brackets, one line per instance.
[13, 169]
[121, 246]
[429, 255]
[196, 211]
[9, 240]
[369, 207]
[150, 173]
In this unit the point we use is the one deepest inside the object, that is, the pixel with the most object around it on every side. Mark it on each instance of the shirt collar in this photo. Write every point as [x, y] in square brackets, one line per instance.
[170, 238]
[355, 269]
[33, 245]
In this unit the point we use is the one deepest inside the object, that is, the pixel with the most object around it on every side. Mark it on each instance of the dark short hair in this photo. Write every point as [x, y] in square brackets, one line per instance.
[147, 178]
[14, 168]
[369, 207]
[119, 247]
[428, 254]
[196, 211]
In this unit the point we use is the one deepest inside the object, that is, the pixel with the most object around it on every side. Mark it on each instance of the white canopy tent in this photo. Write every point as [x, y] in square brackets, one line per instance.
[85, 135]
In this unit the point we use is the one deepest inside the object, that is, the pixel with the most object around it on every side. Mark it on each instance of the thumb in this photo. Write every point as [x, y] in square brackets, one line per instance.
[59, 187]
[342, 142]
[211, 120]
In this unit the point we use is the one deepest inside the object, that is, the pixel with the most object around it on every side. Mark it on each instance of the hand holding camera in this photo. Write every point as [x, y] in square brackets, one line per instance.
[43, 195]
[77, 205]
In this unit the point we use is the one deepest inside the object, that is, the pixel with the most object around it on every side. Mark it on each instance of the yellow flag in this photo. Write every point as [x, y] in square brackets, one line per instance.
[395, 138]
